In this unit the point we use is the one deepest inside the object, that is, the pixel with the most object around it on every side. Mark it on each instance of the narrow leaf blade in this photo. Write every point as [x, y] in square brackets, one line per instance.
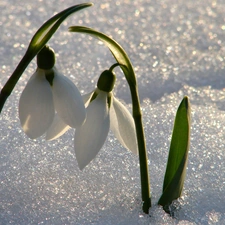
[178, 155]
[46, 31]
[117, 51]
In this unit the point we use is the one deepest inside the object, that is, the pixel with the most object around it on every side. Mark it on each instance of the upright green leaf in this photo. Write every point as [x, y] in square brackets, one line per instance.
[178, 155]
[125, 64]
[38, 41]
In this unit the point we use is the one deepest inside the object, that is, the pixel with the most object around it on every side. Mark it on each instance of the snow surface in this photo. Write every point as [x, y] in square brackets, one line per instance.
[177, 49]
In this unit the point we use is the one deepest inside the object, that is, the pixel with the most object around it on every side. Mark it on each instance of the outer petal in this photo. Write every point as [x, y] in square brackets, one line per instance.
[36, 108]
[57, 128]
[90, 137]
[68, 101]
[122, 125]
[87, 97]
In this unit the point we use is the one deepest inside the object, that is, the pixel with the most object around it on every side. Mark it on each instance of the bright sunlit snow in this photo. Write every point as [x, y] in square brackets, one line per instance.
[177, 48]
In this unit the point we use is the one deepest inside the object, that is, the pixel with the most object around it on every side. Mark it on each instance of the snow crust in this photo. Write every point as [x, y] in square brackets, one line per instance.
[177, 49]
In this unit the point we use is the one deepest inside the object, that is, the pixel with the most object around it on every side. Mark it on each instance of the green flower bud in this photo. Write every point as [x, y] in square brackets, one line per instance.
[106, 81]
[46, 58]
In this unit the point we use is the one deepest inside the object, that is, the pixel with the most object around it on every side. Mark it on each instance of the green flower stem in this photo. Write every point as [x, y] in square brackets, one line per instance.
[10, 84]
[40, 38]
[143, 158]
[125, 64]
[114, 66]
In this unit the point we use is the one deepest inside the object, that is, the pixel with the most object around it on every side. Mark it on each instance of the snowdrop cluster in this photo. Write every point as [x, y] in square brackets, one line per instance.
[50, 104]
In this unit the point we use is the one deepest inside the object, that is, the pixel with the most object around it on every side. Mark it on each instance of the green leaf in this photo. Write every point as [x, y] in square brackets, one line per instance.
[46, 31]
[117, 51]
[38, 41]
[178, 155]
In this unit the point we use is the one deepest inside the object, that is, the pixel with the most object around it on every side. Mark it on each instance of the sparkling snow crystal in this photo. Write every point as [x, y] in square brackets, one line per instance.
[177, 48]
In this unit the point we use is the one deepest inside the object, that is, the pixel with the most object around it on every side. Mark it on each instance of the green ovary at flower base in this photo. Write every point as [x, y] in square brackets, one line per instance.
[49, 96]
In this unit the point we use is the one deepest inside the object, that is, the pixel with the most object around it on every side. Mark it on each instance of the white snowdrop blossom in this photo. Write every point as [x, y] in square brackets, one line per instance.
[104, 112]
[49, 96]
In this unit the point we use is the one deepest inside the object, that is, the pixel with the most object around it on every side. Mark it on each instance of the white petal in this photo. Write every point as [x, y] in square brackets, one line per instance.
[122, 125]
[90, 137]
[68, 101]
[57, 129]
[36, 108]
[87, 97]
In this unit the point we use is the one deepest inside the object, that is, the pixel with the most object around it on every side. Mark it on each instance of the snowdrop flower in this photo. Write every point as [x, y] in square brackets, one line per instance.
[104, 112]
[48, 95]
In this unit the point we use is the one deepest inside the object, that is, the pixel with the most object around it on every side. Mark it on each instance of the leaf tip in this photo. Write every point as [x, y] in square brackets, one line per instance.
[185, 104]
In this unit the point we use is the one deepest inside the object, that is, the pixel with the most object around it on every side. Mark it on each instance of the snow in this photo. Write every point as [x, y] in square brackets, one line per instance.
[177, 49]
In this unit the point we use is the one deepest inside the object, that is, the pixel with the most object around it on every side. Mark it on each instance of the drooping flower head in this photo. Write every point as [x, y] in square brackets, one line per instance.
[48, 95]
[104, 111]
